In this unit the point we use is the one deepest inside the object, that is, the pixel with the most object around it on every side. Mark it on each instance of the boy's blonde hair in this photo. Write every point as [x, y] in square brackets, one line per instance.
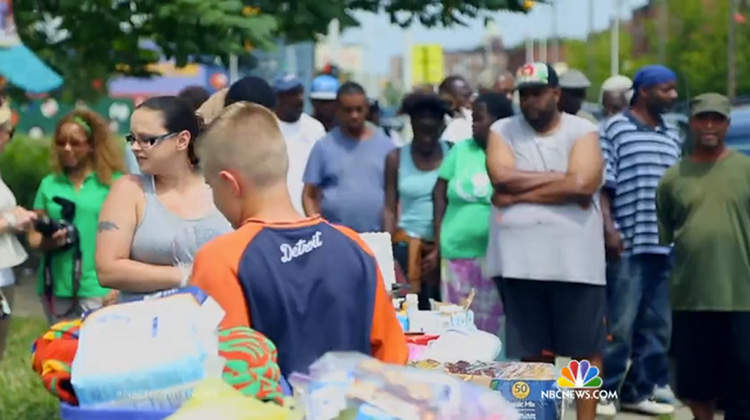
[245, 138]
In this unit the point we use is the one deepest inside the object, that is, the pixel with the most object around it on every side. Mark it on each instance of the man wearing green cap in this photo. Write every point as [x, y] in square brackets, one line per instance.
[703, 207]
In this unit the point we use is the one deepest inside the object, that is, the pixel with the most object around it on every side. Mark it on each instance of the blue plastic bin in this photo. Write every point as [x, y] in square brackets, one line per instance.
[69, 412]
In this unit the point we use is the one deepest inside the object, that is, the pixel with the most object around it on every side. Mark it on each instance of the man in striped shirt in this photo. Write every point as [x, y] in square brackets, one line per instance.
[638, 147]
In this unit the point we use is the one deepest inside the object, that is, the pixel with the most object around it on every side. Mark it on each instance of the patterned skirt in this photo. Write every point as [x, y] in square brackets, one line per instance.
[459, 277]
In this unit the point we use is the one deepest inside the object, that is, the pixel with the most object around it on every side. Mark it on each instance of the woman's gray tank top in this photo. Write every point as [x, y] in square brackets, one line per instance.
[160, 232]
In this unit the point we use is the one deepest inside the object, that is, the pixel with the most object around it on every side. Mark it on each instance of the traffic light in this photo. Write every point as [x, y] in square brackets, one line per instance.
[249, 11]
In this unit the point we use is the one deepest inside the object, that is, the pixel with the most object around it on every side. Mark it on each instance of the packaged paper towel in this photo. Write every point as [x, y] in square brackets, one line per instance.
[146, 354]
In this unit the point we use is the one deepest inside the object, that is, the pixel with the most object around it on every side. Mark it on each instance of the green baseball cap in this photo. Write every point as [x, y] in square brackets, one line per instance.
[710, 102]
[536, 74]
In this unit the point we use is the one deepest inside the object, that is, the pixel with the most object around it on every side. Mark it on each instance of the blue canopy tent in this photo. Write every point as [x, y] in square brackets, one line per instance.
[19, 65]
[23, 69]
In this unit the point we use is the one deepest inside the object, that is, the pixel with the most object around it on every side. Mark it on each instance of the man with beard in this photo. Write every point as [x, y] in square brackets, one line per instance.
[638, 147]
[573, 86]
[457, 92]
[703, 204]
[546, 246]
[300, 132]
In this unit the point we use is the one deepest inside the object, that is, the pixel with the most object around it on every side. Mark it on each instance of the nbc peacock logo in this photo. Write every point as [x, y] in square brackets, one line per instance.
[579, 374]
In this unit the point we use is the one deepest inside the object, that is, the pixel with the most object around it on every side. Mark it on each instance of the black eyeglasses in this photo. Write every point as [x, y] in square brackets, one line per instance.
[147, 141]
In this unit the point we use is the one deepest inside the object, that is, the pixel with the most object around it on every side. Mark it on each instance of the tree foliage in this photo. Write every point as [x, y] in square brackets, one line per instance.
[593, 57]
[696, 49]
[88, 40]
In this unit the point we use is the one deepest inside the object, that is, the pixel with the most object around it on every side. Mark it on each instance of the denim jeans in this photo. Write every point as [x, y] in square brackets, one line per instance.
[640, 326]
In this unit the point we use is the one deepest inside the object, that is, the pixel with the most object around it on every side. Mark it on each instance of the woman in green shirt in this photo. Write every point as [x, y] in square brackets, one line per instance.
[86, 159]
[462, 216]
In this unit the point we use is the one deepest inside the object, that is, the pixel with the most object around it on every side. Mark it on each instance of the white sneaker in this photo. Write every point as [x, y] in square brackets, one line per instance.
[649, 407]
[664, 394]
[606, 408]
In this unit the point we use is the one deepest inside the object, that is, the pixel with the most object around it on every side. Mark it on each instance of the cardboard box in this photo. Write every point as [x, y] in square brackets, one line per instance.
[521, 384]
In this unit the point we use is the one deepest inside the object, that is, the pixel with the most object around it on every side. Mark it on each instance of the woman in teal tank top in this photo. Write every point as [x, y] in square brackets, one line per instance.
[410, 176]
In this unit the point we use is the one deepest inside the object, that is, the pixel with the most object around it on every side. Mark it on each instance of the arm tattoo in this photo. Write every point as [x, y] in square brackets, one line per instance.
[105, 226]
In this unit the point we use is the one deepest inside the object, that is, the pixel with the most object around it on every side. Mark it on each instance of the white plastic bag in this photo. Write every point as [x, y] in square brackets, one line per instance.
[146, 354]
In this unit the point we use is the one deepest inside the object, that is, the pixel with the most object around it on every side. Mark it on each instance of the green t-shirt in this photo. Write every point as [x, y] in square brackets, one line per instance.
[89, 199]
[704, 208]
[466, 224]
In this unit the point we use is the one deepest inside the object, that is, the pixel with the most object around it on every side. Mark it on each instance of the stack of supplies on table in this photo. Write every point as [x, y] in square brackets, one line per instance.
[150, 355]
[353, 386]
[530, 388]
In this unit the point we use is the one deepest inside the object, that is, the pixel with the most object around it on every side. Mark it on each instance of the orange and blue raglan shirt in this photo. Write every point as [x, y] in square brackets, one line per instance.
[310, 286]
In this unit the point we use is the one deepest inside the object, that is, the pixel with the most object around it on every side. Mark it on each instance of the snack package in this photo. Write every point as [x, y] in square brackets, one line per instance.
[341, 385]
[523, 385]
[214, 399]
[147, 354]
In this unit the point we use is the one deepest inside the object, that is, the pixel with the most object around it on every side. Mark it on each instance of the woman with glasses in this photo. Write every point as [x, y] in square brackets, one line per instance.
[86, 160]
[152, 224]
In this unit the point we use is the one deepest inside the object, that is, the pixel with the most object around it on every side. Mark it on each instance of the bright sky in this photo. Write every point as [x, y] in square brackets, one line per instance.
[383, 40]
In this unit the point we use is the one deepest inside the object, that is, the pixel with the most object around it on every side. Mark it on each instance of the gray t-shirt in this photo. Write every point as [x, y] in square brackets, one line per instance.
[351, 175]
[561, 242]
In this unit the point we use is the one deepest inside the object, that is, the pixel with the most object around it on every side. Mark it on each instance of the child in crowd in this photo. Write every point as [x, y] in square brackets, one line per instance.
[309, 286]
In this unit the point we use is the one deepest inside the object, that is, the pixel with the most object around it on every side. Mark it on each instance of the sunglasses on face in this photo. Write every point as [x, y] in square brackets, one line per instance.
[147, 140]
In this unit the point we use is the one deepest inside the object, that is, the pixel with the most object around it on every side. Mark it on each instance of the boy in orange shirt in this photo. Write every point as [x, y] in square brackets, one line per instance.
[309, 286]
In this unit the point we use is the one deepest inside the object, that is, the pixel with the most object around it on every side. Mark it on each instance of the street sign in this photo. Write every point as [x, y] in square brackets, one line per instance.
[427, 63]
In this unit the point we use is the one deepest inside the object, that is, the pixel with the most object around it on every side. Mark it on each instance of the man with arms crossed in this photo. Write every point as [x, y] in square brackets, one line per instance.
[703, 206]
[546, 246]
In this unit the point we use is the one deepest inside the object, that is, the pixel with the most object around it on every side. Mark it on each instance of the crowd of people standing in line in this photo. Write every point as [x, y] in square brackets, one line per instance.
[569, 229]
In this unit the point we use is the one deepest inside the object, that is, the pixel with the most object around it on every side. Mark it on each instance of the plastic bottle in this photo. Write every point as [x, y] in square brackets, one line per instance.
[412, 302]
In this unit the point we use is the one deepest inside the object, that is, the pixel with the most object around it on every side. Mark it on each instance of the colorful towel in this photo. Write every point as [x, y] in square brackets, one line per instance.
[52, 355]
[251, 366]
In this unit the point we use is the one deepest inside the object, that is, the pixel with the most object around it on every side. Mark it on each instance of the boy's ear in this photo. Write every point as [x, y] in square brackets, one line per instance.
[232, 181]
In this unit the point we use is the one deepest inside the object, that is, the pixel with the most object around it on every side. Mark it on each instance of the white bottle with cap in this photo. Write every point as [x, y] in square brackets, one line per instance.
[412, 302]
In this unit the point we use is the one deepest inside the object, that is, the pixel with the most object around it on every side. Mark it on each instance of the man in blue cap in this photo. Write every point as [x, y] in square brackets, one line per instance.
[300, 131]
[323, 97]
[638, 146]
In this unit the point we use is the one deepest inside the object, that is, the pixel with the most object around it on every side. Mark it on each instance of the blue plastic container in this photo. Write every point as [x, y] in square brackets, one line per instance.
[69, 412]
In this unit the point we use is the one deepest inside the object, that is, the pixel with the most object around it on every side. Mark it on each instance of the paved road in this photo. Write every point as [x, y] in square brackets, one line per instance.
[27, 304]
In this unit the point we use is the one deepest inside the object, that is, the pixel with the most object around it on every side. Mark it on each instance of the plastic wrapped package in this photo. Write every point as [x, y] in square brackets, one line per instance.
[146, 354]
[349, 384]
[214, 399]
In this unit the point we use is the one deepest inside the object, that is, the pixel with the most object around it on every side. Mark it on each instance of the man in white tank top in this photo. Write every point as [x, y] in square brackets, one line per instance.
[546, 249]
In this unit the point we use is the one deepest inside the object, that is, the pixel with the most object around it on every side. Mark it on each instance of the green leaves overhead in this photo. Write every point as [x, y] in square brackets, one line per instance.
[89, 40]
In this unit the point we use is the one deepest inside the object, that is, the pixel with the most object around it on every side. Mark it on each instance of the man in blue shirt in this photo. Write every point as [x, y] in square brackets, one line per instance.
[345, 174]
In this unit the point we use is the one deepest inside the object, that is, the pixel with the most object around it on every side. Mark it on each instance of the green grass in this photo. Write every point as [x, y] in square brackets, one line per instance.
[22, 395]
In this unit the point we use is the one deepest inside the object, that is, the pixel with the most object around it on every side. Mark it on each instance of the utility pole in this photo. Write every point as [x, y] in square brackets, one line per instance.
[663, 30]
[614, 59]
[732, 51]
[529, 49]
[590, 38]
[408, 60]
[555, 35]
